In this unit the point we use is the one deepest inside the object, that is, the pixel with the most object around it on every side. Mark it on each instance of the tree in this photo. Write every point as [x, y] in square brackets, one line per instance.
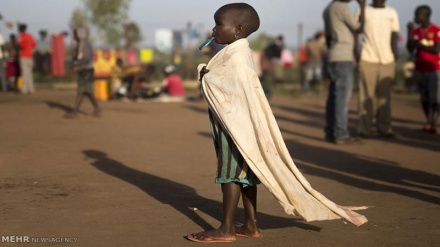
[78, 18]
[132, 35]
[260, 42]
[109, 16]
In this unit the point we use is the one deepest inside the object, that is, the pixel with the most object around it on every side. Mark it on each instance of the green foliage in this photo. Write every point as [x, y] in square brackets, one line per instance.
[260, 42]
[133, 35]
[78, 18]
[108, 16]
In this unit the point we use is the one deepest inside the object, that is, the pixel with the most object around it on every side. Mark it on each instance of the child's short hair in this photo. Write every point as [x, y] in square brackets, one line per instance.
[243, 14]
[22, 27]
[425, 8]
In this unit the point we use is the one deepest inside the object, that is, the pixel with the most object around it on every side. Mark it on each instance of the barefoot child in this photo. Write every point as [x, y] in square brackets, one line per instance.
[83, 65]
[248, 141]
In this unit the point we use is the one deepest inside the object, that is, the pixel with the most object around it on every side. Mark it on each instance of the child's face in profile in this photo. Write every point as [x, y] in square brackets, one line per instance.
[224, 30]
[421, 16]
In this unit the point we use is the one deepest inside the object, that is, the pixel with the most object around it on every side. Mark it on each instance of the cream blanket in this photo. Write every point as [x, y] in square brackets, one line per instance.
[234, 94]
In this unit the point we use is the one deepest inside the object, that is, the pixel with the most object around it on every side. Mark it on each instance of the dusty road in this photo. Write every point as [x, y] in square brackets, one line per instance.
[132, 177]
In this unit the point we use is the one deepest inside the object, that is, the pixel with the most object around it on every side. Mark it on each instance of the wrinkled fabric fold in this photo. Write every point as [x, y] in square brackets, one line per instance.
[237, 101]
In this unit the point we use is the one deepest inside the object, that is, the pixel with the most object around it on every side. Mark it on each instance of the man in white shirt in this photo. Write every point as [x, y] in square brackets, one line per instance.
[377, 69]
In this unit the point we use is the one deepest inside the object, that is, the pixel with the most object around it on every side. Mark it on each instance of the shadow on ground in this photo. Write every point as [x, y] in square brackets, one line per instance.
[65, 108]
[404, 136]
[364, 172]
[180, 196]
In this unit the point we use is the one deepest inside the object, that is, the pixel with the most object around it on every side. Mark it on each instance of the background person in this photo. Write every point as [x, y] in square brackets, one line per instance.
[27, 43]
[340, 25]
[377, 70]
[83, 65]
[12, 61]
[424, 41]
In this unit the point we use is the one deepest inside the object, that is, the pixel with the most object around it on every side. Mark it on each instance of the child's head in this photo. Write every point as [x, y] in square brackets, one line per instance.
[22, 28]
[235, 21]
[80, 33]
[422, 14]
[168, 70]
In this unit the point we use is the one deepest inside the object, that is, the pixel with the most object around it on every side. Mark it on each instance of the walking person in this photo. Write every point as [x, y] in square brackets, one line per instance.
[83, 65]
[377, 70]
[340, 25]
[424, 41]
[27, 44]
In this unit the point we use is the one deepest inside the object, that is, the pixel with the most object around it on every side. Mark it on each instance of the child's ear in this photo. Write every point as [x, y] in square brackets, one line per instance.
[238, 28]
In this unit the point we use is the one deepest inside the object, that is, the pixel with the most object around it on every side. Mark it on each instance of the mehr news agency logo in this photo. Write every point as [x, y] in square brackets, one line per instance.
[27, 239]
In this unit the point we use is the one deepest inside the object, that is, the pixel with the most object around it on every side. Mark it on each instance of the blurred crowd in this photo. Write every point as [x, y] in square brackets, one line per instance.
[357, 51]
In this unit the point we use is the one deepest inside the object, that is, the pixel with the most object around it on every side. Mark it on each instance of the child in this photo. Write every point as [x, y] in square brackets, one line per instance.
[83, 64]
[248, 141]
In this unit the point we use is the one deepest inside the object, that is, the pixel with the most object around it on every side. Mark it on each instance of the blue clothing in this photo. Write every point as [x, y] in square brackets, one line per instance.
[339, 93]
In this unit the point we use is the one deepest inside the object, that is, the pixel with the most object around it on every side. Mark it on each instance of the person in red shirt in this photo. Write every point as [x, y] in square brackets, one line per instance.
[172, 85]
[424, 41]
[27, 43]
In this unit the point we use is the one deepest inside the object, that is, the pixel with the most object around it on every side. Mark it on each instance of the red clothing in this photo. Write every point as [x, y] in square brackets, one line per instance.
[426, 61]
[303, 54]
[174, 85]
[27, 44]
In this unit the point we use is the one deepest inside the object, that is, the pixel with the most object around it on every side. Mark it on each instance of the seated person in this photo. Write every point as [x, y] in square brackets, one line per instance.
[135, 76]
[117, 73]
[172, 86]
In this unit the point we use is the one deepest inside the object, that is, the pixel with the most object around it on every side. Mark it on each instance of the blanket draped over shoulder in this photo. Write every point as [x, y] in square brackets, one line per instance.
[235, 97]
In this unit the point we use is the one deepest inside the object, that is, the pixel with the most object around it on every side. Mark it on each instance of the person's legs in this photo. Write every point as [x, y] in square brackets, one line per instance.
[97, 110]
[249, 197]
[26, 65]
[278, 72]
[4, 82]
[79, 95]
[231, 196]
[343, 89]
[78, 101]
[31, 75]
[383, 93]
[24, 76]
[369, 73]
[330, 104]
[309, 76]
[434, 98]
[226, 231]
[88, 80]
[422, 82]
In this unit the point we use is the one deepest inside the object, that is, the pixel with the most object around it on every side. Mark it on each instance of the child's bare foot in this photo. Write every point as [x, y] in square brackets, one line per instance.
[248, 233]
[212, 236]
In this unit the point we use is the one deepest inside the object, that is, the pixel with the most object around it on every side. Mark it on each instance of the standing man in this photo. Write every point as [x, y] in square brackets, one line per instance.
[377, 69]
[340, 25]
[425, 42]
[27, 43]
[315, 54]
[273, 53]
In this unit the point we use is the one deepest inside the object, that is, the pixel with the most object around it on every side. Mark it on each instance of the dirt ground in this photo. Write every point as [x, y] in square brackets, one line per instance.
[134, 176]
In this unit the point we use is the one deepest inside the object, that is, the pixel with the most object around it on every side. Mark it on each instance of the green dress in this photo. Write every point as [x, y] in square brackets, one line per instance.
[231, 166]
